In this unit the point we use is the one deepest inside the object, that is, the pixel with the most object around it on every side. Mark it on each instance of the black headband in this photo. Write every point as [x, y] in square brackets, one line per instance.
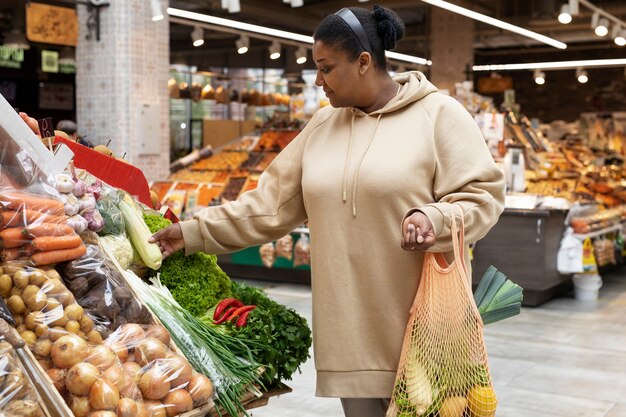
[357, 28]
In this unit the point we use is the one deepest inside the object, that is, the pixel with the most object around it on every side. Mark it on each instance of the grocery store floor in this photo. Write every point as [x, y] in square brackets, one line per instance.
[562, 359]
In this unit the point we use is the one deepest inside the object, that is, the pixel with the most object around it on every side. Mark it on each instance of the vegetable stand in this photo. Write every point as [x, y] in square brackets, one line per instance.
[104, 337]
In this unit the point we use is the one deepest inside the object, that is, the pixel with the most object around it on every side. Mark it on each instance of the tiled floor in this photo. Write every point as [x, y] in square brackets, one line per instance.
[563, 359]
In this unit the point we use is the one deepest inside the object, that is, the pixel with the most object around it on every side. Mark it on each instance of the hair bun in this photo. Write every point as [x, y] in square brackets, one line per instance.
[389, 27]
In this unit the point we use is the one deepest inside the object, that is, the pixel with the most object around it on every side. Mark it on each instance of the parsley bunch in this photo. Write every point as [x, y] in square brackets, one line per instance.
[285, 333]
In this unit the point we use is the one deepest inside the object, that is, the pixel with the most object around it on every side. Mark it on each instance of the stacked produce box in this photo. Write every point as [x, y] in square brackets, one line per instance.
[222, 176]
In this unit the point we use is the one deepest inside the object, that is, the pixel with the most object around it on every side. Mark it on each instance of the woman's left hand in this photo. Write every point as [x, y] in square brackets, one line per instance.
[417, 233]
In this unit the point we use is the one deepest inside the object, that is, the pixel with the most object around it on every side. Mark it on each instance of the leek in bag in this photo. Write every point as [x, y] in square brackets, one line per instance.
[496, 297]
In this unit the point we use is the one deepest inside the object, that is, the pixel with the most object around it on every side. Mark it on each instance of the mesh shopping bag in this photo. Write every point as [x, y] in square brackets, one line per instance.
[443, 369]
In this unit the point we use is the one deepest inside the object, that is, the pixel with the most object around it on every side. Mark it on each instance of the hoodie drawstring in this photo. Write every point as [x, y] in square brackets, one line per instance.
[345, 170]
[358, 169]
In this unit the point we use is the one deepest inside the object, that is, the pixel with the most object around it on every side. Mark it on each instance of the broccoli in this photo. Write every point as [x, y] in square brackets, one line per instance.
[195, 281]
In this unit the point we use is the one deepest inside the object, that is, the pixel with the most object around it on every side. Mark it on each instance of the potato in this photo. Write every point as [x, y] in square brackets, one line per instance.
[21, 279]
[53, 274]
[34, 319]
[43, 347]
[72, 326]
[36, 302]
[52, 304]
[29, 337]
[41, 329]
[30, 291]
[38, 278]
[16, 304]
[6, 284]
[74, 312]
[60, 321]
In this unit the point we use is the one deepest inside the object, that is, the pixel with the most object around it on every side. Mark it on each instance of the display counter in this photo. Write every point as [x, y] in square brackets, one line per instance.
[524, 245]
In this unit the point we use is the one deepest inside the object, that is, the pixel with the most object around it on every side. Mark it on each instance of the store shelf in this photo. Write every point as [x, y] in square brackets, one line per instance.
[601, 232]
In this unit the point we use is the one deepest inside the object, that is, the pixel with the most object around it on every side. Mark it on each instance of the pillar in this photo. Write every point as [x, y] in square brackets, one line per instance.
[451, 46]
[121, 76]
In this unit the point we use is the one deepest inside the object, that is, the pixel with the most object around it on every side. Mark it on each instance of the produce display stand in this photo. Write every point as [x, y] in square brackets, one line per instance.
[524, 245]
[251, 402]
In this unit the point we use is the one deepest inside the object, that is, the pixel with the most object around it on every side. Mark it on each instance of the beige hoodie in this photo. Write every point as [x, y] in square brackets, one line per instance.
[355, 177]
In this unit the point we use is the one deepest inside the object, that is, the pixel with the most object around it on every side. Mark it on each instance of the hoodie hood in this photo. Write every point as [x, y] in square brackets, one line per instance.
[413, 87]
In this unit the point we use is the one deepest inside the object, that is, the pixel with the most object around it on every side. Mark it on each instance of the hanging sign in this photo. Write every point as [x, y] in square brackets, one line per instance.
[491, 85]
[51, 24]
[49, 61]
[11, 57]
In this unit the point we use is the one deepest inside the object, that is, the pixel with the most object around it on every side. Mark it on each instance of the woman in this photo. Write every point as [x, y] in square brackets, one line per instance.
[382, 166]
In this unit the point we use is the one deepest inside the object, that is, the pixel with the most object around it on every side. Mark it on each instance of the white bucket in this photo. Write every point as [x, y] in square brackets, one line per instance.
[587, 287]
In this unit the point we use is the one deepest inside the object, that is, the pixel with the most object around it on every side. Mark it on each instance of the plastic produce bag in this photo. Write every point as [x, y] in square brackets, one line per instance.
[18, 397]
[284, 247]
[108, 207]
[33, 225]
[268, 254]
[302, 251]
[102, 292]
[443, 367]
[92, 374]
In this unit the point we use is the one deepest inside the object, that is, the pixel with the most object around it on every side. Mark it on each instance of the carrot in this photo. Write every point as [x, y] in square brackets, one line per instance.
[12, 237]
[11, 254]
[46, 243]
[56, 256]
[25, 217]
[17, 200]
[48, 229]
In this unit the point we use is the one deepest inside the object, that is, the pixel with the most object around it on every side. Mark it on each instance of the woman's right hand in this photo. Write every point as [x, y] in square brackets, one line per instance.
[170, 240]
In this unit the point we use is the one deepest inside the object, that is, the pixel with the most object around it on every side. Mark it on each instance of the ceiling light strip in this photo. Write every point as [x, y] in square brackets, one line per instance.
[495, 22]
[598, 10]
[274, 33]
[553, 65]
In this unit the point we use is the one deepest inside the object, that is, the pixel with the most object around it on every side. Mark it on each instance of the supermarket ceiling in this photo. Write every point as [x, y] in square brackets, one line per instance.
[536, 15]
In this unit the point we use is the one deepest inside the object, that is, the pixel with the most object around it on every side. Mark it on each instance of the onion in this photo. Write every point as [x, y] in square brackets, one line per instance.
[155, 409]
[154, 384]
[142, 410]
[120, 350]
[201, 389]
[178, 370]
[116, 375]
[133, 370]
[58, 379]
[149, 350]
[80, 378]
[102, 357]
[131, 391]
[129, 334]
[103, 396]
[127, 408]
[69, 350]
[160, 333]
[80, 406]
[103, 414]
[177, 402]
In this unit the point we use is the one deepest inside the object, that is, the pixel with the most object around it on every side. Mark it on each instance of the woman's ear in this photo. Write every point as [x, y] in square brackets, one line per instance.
[365, 62]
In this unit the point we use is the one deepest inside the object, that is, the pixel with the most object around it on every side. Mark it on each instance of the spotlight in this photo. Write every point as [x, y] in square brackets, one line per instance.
[275, 50]
[297, 3]
[197, 36]
[301, 55]
[600, 24]
[243, 44]
[581, 74]
[565, 17]
[540, 77]
[234, 6]
[619, 35]
[157, 11]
